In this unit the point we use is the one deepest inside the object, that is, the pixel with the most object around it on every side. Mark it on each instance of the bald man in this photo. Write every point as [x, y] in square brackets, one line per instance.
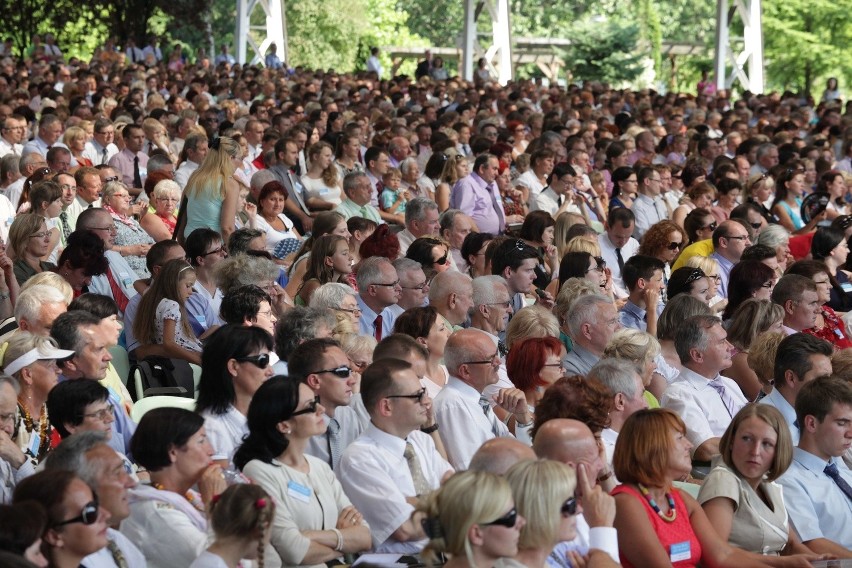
[572, 443]
[499, 454]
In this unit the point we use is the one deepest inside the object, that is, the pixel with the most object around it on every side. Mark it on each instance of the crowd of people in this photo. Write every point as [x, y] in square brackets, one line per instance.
[432, 321]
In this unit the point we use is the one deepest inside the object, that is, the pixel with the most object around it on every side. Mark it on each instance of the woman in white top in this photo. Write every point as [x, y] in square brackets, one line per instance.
[314, 521]
[431, 330]
[321, 182]
[234, 364]
[271, 218]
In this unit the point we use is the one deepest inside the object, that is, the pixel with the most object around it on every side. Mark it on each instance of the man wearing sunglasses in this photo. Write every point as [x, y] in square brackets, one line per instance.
[730, 239]
[393, 464]
[322, 365]
[464, 413]
[88, 455]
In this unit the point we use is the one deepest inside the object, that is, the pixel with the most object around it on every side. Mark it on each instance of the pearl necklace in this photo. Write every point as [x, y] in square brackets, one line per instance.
[668, 517]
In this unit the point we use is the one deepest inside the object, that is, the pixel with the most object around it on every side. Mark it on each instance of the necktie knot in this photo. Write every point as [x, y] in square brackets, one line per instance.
[485, 405]
[831, 470]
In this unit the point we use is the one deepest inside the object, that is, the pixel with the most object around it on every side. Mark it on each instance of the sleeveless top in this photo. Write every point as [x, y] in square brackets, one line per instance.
[204, 212]
[673, 536]
[795, 217]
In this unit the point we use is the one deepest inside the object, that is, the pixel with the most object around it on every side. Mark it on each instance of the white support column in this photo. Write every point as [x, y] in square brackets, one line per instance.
[499, 53]
[468, 39]
[744, 54]
[253, 41]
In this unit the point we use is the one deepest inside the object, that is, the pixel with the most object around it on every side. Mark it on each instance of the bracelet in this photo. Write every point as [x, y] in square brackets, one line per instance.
[339, 547]
[430, 429]
[519, 424]
[605, 477]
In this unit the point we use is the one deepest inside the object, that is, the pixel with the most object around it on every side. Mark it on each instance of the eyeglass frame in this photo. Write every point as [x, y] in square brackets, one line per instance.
[256, 360]
[490, 361]
[503, 521]
[90, 508]
[417, 397]
[100, 414]
[311, 408]
[337, 372]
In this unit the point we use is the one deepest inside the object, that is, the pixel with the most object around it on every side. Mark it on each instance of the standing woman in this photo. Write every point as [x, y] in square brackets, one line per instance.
[30, 241]
[471, 518]
[329, 262]
[283, 416]
[790, 189]
[429, 329]
[322, 185]
[211, 194]
[234, 364]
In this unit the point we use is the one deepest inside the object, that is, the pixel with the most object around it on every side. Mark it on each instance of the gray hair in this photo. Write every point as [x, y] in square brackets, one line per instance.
[30, 159]
[70, 455]
[773, 236]
[351, 180]
[331, 295]
[12, 382]
[764, 149]
[110, 189]
[615, 374]
[585, 310]
[167, 188]
[8, 165]
[485, 289]
[406, 164]
[22, 342]
[677, 311]
[458, 351]
[404, 264]
[692, 334]
[415, 210]
[298, 325]
[370, 270]
[446, 283]
[158, 162]
[261, 178]
[29, 302]
[243, 269]
[448, 219]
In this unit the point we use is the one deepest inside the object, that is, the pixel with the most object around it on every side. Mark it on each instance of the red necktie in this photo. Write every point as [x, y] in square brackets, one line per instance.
[377, 325]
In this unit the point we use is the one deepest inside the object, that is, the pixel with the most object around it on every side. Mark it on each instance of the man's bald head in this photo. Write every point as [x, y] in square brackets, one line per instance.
[497, 455]
[564, 440]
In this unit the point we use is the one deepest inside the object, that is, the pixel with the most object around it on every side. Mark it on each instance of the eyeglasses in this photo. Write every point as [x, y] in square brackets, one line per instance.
[508, 520]
[505, 305]
[737, 238]
[349, 310]
[260, 361]
[675, 246]
[418, 287]
[111, 229]
[101, 414]
[44, 235]
[569, 508]
[88, 516]
[601, 265]
[391, 285]
[769, 284]
[343, 372]
[490, 361]
[443, 260]
[222, 248]
[712, 226]
[416, 397]
[311, 408]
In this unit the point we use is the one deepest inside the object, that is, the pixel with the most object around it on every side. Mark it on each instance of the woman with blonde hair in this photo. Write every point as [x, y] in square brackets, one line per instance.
[642, 349]
[545, 496]
[29, 239]
[471, 518]
[75, 138]
[532, 321]
[455, 168]
[211, 194]
[710, 267]
[761, 359]
[760, 189]
[321, 182]
[753, 318]
[53, 280]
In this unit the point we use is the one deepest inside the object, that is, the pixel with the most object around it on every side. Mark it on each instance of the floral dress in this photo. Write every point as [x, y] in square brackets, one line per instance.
[170, 310]
[131, 233]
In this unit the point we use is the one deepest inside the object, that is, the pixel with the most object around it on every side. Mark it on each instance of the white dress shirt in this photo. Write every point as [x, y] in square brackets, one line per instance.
[648, 211]
[225, 432]
[7, 147]
[629, 249]
[353, 420]
[95, 152]
[10, 477]
[376, 477]
[183, 172]
[787, 411]
[103, 558]
[529, 180]
[700, 406]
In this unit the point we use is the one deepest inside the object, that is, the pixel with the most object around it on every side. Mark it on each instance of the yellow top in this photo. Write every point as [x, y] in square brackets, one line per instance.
[701, 248]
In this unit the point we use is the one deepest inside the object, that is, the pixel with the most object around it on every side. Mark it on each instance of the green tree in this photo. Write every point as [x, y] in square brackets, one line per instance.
[604, 51]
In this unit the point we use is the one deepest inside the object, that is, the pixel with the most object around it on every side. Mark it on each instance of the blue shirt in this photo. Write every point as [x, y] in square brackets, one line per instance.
[123, 427]
[201, 314]
[725, 267]
[815, 503]
[368, 317]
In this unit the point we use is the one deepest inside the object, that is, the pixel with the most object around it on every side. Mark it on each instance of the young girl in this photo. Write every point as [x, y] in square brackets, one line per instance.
[162, 318]
[241, 518]
[330, 262]
[393, 198]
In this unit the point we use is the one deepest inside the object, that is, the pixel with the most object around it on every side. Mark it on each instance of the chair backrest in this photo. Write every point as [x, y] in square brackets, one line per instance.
[196, 378]
[151, 402]
[121, 362]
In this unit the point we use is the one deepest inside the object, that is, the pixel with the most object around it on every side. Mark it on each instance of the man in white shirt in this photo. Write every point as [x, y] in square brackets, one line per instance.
[394, 462]
[799, 297]
[49, 132]
[12, 134]
[322, 365]
[27, 166]
[541, 165]
[379, 292]
[196, 150]
[556, 198]
[618, 245]
[455, 226]
[621, 379]
[88, 455]
[464, 414]
[648, 207]
[705, 400]
[14, 465]
[451, 294]
[421, 220]
[101, 148]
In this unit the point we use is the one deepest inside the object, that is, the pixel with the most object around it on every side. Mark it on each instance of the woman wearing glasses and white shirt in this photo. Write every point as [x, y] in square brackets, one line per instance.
[29, 239]
[314, 520]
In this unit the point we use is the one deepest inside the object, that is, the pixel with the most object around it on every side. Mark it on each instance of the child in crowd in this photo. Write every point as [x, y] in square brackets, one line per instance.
[394, 199]
[643, 277]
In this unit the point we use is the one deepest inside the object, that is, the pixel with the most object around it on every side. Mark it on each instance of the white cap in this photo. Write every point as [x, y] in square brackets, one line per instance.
[33, 355]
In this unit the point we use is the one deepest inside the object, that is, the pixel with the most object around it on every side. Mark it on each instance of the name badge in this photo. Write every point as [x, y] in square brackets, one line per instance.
[300, 492]
[126, 280]
[680, 551]
[847, 287]
[35, 442]
[113, 396]
[202, 321]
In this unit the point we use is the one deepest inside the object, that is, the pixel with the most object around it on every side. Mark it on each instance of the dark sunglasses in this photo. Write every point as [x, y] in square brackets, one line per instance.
[569, 508]
[342, 372]
[311, 408]
[508, 520]
[443, 260]
[675, 246]
[261, 361]
[87, 516]
[755, 226]
[416, 397]
[712, 226]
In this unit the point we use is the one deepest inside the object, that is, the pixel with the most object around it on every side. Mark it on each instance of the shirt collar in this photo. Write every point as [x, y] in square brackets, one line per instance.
[632, 308]
[389, 441]
[465, 390]
[698, 382]
[812, 462]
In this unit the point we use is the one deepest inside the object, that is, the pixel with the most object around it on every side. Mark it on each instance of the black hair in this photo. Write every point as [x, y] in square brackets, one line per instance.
[159, 431]
[67, 401]
[640, 266]
[511, 254]
[307, 356]
[242, 303]
[274, 402]
[96, 304]
[198, 242]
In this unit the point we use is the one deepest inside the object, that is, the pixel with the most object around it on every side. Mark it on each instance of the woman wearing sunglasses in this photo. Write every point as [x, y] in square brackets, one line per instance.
[472, 519]
[663, 241]
[584, 265]
[544, 496]
[432, 253]
[167, 519]
[658, 524]
[234, 363]
[314, 520]
[76, 523]
[699, 226]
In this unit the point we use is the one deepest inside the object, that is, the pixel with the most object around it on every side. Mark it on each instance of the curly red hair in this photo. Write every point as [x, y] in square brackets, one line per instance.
[527, 358]
[381, 243]
[657, 237]
[574, 397]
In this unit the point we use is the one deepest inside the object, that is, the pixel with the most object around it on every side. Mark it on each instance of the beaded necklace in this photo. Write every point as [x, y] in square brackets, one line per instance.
[668, 517]
[43, 428]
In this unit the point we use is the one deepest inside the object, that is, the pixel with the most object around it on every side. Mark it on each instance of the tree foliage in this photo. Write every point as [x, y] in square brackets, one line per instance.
[604, 51]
